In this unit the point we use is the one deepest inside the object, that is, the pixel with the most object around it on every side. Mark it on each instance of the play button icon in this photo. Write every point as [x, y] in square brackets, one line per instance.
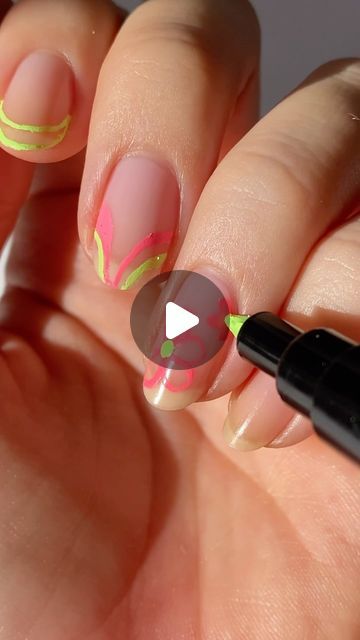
[178, 320]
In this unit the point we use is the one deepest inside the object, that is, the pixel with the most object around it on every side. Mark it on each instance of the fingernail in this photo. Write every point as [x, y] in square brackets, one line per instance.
[170, 386]
[137, 222]
[298, 429]
[35, 112]
[257, 415]
[170, 389]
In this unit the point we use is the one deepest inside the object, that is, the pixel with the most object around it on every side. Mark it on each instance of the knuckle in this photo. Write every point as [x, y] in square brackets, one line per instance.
[158, 22]
[331, 277]
[342, 70]
[267, 177]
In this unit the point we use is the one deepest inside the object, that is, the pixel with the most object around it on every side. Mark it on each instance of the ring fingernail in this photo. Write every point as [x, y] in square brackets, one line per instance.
[137, 222]
[35, 111]
[184, 367]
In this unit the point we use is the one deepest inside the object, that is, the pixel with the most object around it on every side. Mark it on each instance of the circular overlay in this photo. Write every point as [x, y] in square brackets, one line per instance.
[152, 321]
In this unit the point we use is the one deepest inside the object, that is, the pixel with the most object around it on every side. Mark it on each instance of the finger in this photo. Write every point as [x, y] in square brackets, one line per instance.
[258, 417]
[169, 84]
[325, 294]
[266, 205]
[51, 54]
[16, 178]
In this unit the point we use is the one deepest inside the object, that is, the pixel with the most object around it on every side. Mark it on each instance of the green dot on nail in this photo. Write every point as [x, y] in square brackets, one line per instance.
[167, 348]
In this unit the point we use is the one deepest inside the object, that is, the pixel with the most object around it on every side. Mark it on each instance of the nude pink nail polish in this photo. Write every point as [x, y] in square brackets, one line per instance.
[257, 415]
[35, 112]
[137, 222]
[187, 373]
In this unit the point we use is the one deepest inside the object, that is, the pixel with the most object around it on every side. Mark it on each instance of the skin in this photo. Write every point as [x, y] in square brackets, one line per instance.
[121, 521]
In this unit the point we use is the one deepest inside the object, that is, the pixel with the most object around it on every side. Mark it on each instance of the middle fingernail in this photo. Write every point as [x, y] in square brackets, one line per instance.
[137, 222]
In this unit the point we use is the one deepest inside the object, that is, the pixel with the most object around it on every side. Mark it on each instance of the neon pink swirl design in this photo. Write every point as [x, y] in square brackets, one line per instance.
[160, 376]
[188, 337]
[105, 229]
[216, 320]
[162, 237]
[160, 373]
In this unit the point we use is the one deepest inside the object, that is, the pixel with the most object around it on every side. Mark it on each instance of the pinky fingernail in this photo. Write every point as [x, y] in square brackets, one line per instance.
[257, 415]
[299, 428]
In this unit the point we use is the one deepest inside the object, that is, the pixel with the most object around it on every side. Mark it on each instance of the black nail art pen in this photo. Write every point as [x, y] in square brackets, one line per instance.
[316, 372]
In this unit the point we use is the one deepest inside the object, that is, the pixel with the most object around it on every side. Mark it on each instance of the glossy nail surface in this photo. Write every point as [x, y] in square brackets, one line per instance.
[257, 415]
[189, 366]
[297, 429]
[137, 222]
[35, 113]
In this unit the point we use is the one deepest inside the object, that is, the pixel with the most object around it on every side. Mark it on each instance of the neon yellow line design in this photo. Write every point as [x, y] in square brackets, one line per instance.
[150, 263]
[22, 146]
[234, 323]
[61, 128]
[33, 128]
[101, 257]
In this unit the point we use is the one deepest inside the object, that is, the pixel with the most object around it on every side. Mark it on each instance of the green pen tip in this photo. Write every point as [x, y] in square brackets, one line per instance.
[235, 322]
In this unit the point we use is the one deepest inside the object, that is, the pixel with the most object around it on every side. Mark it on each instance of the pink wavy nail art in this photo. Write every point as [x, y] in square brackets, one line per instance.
[216, 320]
[105, 230]
[160, 377]
[151, 240]
[160, 373]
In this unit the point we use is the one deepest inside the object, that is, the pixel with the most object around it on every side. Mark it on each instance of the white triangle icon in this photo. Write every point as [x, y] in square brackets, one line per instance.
[178, 320]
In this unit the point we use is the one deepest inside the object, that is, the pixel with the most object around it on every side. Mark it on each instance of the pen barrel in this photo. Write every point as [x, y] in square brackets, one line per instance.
[336, 409]
[319, 374]
[263, 338]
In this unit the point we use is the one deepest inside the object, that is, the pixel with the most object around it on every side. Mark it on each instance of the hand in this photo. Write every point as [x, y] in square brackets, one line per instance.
[117, 520]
